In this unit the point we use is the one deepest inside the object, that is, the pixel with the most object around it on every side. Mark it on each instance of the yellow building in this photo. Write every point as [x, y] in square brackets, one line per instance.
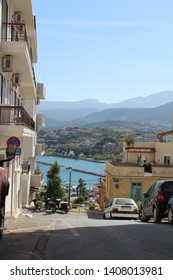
[143, 163]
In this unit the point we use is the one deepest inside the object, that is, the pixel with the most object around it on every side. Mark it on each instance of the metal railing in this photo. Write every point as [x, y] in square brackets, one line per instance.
[16, 32]
[15, 115]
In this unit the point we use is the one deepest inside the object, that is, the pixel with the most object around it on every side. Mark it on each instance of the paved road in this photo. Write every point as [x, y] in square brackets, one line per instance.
[83, 236]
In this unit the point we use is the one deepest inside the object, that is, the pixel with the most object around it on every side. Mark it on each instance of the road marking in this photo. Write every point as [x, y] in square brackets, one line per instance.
[30, 229]
[51, 227]
[73, 230]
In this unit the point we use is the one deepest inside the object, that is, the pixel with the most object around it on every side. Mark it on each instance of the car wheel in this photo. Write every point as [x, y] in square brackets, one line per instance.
[104, 216]
[142, 216]
[156, 216]
[170, 215]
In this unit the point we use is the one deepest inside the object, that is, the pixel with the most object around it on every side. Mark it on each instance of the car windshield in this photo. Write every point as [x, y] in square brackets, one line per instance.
[167, 187]
[124, 201]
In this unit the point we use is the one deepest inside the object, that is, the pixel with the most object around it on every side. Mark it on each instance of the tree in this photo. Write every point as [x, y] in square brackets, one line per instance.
[129, 141]
[81, 190]
[54, 182]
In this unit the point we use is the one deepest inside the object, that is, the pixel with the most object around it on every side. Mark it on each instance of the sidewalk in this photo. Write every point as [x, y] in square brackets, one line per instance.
[22, 221]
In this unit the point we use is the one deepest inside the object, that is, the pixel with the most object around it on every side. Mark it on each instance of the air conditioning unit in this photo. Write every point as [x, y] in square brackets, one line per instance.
[26, 167]
[7, 63]
[16, 79]
[18, 17]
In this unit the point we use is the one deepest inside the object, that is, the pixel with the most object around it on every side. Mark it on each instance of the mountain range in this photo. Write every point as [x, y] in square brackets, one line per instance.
[155, 108]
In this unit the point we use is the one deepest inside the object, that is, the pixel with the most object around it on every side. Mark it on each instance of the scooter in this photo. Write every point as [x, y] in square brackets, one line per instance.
[58, 205]
[62, 206]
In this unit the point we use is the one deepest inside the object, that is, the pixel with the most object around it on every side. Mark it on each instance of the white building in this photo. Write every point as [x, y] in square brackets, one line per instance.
[19, 99]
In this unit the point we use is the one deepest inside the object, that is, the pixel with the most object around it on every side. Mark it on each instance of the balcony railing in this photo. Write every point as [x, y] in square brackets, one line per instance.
[16, 115]
[16, 32]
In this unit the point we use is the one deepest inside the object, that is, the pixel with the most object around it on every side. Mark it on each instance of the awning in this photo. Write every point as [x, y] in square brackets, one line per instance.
[140, 150]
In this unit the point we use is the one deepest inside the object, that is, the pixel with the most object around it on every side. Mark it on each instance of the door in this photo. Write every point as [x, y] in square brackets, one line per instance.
[136, 191]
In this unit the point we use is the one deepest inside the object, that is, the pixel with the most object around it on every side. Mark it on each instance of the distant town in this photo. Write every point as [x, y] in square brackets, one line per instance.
[94, 144]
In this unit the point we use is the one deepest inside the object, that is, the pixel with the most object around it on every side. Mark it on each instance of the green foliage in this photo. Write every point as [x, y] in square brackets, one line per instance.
[37, 170]
[129, 141]
[54, 171]
[91, 206]
[78, 200]
[54, 182]
[81, 189]
[75, 205]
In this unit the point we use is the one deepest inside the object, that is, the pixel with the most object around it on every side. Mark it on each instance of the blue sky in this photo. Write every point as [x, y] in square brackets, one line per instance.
[110, 50]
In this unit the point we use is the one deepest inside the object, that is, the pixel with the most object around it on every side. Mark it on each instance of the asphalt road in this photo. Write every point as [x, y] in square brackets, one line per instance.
[84, 236]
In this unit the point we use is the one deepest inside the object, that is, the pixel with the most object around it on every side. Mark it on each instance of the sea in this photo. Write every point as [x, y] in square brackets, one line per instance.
[90, 180]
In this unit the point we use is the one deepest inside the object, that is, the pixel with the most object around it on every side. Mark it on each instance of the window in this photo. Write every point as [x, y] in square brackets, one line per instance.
[136, 184]
[124, 201]
[167, 160]
[149, 192]
[3, 89]
[4, 11]
[167, 187]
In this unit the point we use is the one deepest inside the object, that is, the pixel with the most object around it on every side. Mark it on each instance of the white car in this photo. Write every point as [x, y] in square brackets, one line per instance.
[121, 208]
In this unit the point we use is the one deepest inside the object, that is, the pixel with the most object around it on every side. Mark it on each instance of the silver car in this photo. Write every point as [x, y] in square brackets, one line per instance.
[170, 210]
[121, 208]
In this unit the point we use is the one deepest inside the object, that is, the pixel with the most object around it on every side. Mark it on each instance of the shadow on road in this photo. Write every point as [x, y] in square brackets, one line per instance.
[89, 240]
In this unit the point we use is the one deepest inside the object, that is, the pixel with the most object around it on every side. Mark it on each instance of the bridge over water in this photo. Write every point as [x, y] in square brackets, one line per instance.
[75, 169]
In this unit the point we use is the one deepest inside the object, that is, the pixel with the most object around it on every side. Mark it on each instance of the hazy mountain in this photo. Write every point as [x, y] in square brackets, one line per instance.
[158, 117]
[66, 111]
[151, 101]
[59, 114]
[160, 114]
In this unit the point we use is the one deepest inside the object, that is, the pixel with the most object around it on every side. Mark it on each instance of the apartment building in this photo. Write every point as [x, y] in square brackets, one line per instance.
[143, 163]
[20, 94]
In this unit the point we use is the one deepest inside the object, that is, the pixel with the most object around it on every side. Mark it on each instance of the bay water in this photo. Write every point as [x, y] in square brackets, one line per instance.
[64, 163]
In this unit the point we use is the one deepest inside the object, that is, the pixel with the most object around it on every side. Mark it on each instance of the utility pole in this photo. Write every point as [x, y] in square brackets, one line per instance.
[69, 186]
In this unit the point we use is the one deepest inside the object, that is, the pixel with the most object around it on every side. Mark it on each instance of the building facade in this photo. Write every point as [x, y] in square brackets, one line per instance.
[143, 163]
[20, 94]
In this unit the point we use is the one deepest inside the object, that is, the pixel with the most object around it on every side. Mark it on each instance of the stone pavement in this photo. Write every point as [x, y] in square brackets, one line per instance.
[23, 220]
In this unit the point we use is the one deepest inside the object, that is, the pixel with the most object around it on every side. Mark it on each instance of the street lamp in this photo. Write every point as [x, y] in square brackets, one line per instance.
[69, 186]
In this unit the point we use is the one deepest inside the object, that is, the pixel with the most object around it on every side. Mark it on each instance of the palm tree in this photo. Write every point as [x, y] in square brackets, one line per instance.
[129, 141]
[81, 190]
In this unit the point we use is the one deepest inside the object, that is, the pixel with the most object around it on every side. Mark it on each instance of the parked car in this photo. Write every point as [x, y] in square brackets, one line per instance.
[121, 208]
[155, 202]
[170, 210]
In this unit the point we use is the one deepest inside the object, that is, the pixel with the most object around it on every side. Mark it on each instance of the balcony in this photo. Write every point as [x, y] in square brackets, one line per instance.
[41, 92]
[16, 115]
[40, 120]
[16, 44]
[37, 181]
[40, 149]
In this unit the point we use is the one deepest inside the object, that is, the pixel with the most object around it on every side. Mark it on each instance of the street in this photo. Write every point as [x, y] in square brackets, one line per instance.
[84, 236]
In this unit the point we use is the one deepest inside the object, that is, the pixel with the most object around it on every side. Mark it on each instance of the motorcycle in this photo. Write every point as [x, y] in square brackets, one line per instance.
[57, 205]
[52, 205]
[61, 205]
